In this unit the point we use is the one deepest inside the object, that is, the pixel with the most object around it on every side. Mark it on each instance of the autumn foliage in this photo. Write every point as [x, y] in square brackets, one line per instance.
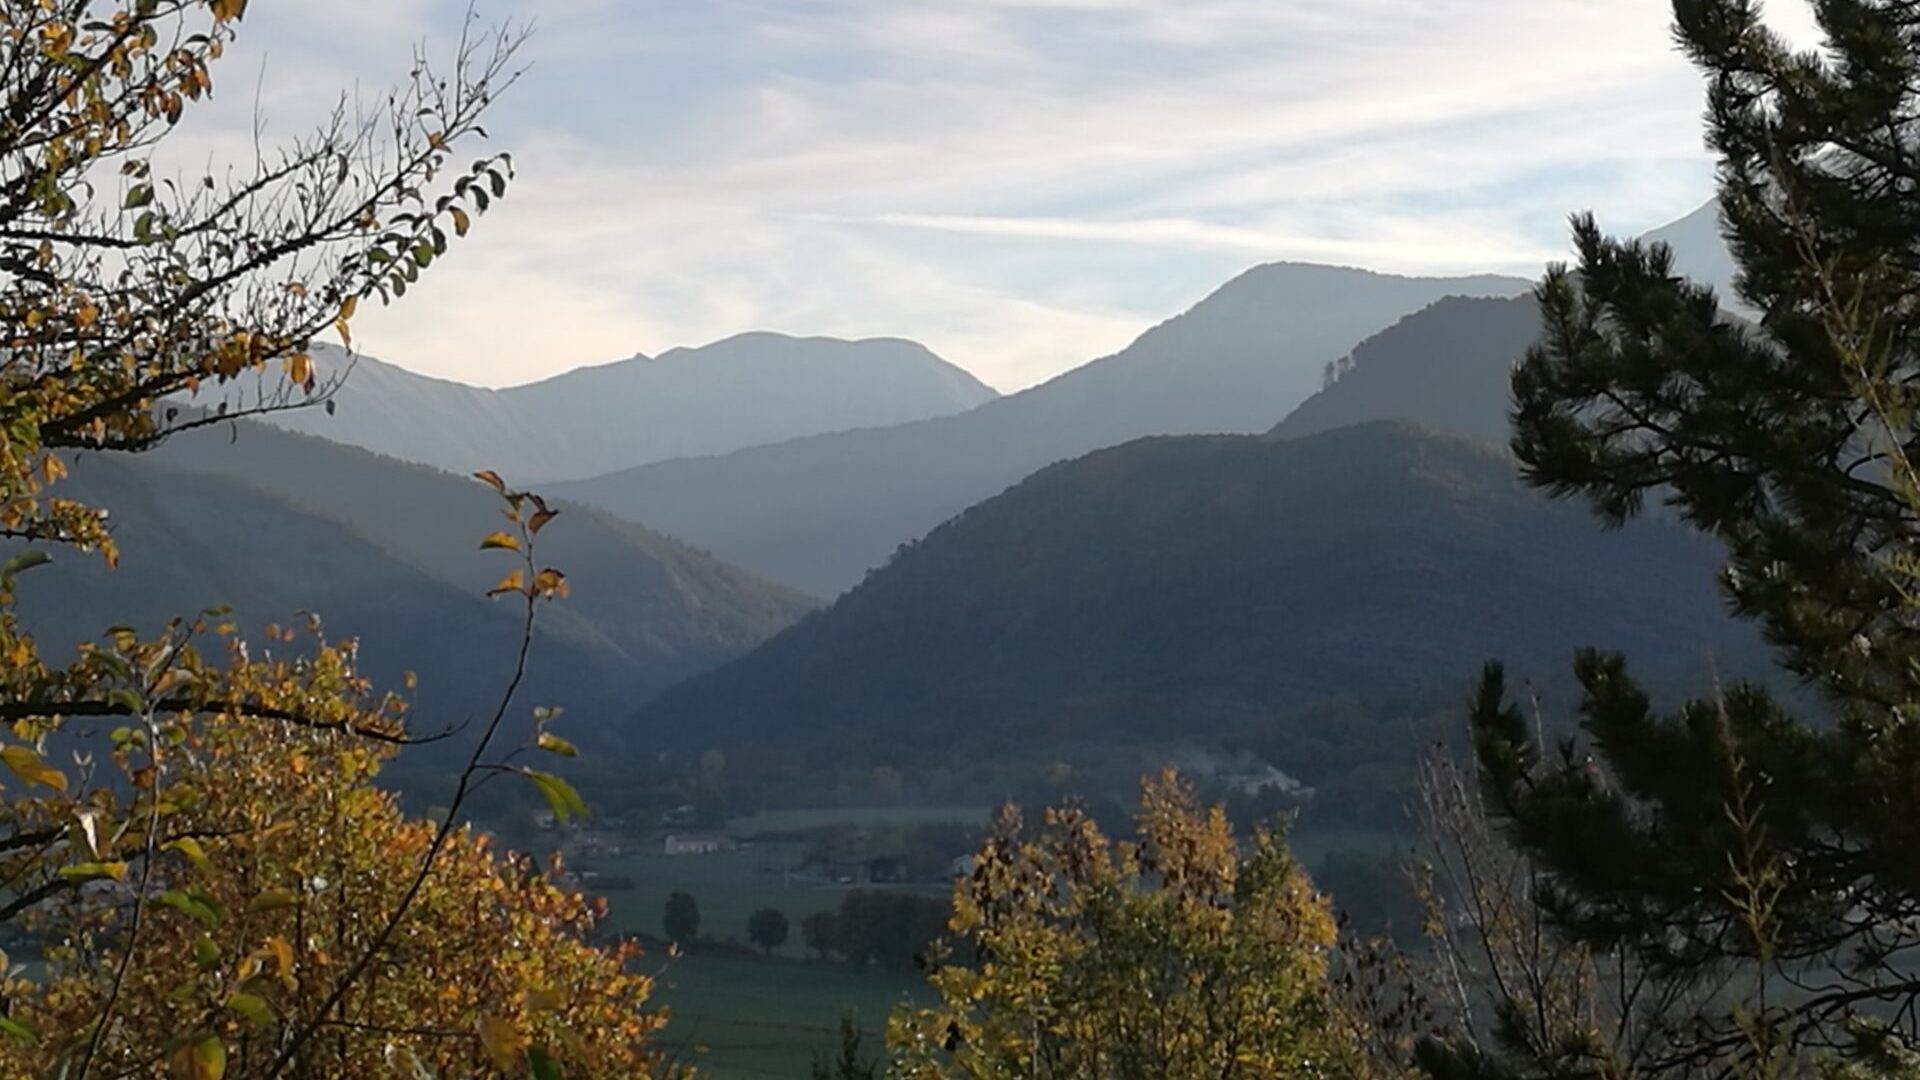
[283, 865]
[189, 827]
[1180, 956]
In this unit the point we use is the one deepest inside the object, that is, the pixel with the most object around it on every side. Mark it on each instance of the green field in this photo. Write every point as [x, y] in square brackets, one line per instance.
[728, 887]
[732, 885]
[758, 1020]
[750, 1020]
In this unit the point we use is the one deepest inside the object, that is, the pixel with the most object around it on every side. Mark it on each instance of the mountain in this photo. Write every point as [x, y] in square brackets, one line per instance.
[744, 391]
[1700, 253]
[274, 523]
[819, 512]
[1445, 367]
[1314, 596]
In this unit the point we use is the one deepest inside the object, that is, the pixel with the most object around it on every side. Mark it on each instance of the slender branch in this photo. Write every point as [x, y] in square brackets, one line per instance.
[475, 767]
[21, 710]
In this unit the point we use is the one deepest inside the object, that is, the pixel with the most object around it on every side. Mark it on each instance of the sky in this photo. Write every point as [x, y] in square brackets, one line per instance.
[1022, 185]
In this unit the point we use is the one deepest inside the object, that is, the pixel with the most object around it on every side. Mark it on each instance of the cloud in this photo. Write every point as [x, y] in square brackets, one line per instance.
[1021, 184]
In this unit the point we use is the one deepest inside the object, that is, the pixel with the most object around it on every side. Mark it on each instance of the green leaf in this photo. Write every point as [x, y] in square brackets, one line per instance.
[545, 1065]
[19, 1029]
[94, 871]
[190, 907]
[271, 900]
[206, 953]
[26, 560]
[564, 801]
[140, 195]
[190, 848]
[252, 1007]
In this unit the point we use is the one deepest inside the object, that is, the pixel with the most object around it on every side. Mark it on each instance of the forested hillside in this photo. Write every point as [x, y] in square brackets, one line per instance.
[1444, 367]
[274, 524]
[1313, 597]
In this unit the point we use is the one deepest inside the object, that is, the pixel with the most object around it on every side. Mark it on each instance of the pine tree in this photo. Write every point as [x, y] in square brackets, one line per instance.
[1760, 863]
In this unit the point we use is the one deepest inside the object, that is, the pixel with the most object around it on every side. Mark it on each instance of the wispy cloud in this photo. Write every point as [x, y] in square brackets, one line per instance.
[1022, 184]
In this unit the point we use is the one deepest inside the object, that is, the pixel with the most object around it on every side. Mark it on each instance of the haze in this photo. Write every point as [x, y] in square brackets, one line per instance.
[1019, 184]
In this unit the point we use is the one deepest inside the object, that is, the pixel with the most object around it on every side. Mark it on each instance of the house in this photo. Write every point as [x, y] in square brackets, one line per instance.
[698, 843]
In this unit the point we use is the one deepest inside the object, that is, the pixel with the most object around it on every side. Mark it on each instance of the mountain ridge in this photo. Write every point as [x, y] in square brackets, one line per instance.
[818, 512]
[748, 389]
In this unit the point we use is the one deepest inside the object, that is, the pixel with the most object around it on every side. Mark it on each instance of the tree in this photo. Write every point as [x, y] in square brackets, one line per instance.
[1738, 852]
[850, 1064]
[290, 874]
[682, 918]
[205, 902]
[1177, 957]
[767, 928]
[821, 932]
[887, 928]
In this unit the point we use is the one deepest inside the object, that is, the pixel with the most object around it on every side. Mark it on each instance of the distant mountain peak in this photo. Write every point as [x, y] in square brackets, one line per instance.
[747, 390]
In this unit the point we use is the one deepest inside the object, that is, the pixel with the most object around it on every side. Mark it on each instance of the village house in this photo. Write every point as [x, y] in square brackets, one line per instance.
[698, 842]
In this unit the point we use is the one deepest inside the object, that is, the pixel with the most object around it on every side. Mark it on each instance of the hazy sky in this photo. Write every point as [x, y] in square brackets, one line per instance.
[1021, 184]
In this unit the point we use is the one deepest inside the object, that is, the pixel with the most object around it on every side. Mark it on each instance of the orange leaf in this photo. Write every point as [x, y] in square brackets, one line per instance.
[491, 479]
[550, 582]
[514, 582]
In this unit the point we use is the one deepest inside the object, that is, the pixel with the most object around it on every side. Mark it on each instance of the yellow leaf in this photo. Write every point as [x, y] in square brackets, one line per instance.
[491, 479]
[502, 1040]
[282, 958]
[173, 680]
[299, 368]
[28, 766]
[205, 1059]
[514, 582]
[554, 744]
[94, 871]
[190, 848]
[461, 222]
[500, 540]
[225, 10]
[543, 1000]
[340, 322]
[540, 519]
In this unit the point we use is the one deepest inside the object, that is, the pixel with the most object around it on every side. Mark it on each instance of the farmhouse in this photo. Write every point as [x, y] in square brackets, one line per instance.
[698, 843]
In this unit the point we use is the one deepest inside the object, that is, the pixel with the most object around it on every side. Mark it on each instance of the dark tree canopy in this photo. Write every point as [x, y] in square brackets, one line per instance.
[682, 918]
[767, 928]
